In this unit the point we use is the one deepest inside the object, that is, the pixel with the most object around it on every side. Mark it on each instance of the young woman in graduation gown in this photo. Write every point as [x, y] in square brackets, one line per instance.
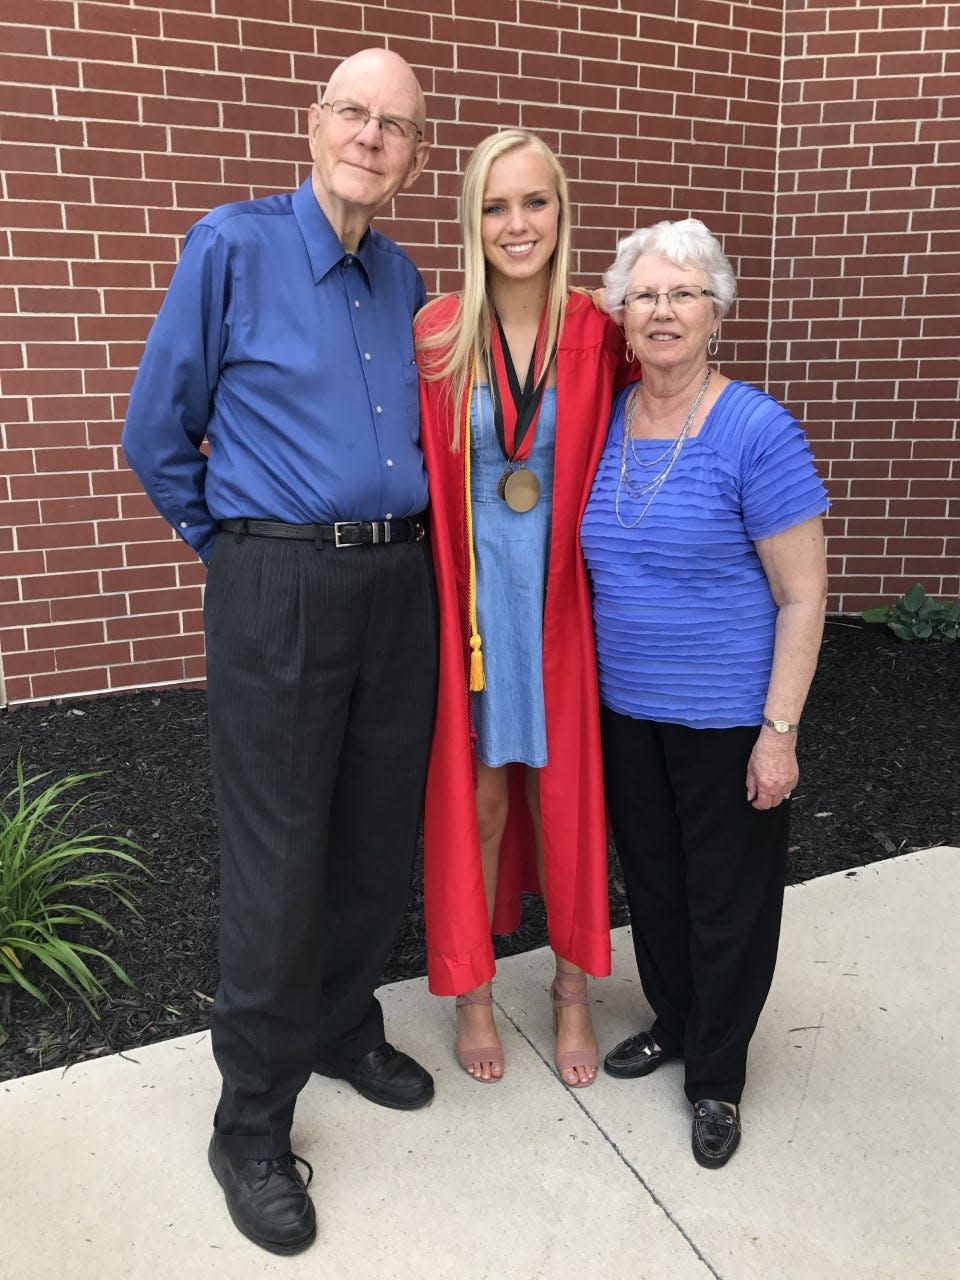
[517, 375]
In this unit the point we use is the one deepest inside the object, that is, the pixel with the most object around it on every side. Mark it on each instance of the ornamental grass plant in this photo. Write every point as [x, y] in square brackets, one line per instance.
[50, 876]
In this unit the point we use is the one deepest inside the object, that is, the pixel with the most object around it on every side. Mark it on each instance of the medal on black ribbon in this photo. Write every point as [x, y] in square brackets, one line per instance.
[515, 413]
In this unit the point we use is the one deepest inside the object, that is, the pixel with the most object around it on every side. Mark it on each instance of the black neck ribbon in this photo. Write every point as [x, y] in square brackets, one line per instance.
[516, 408]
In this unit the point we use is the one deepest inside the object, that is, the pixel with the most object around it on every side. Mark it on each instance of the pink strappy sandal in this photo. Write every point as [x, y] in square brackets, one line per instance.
[477, 1057]
[560, 999]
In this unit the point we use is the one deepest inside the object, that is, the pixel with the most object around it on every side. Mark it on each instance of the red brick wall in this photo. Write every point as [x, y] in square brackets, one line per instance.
[121, 124]
[867, 283]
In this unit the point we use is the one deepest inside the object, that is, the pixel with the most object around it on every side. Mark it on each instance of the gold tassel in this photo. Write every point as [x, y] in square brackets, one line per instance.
[477, 681]
[477, 678]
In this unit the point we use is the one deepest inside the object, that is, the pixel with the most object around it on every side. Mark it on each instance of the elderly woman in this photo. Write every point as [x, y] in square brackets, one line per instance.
[704, 542]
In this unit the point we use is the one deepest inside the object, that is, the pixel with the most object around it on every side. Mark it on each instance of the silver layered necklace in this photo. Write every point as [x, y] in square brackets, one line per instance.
[647, 489]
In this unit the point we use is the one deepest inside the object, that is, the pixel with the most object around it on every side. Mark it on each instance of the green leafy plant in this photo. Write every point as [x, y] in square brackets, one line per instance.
[915, 616]
[47, 870]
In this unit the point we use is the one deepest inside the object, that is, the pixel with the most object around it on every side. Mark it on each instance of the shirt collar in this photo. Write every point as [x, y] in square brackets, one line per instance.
[323, 248]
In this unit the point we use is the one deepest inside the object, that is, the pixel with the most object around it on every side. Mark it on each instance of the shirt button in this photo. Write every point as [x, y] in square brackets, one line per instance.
[388, 516]
[356, 302]
[184, 524]
[389, 462]
[379, 408]
[366, 355]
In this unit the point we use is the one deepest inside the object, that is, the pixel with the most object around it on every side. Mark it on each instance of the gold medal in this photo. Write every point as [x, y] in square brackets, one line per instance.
[521, 489]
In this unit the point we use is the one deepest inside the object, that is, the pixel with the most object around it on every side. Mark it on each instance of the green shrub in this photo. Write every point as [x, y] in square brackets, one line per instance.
[46, 874]
[916, 617]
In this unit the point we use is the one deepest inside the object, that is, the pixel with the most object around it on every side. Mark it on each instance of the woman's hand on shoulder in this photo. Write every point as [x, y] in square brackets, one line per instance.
[599, 299]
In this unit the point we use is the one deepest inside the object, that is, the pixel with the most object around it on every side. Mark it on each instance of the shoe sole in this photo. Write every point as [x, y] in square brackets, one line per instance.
[271, 1246]
[635, 1073]
[394, 1104]
[713, 1162]
[708, 1161]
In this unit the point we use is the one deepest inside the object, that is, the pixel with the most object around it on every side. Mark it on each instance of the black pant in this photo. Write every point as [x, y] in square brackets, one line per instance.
[321, 687]
[704, 874]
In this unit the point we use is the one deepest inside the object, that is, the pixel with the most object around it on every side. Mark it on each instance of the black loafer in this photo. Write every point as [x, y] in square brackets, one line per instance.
[635, 1056]
[716, 1133]
[385, 1076]
[267, 1199]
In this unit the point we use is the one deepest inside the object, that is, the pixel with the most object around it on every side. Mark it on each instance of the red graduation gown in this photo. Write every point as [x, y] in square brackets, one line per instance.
[590, 366]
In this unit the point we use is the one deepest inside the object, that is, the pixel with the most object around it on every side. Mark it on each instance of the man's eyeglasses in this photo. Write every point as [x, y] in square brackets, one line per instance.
[684, 295]
[355, 117]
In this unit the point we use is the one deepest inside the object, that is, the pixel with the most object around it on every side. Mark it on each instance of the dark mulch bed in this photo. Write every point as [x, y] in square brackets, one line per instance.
[880, 759]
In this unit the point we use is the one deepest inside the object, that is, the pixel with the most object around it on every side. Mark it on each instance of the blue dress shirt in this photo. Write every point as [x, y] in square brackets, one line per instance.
[294, 359]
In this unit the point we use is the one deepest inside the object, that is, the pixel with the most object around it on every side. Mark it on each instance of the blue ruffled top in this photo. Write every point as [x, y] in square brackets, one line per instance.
[683, 614]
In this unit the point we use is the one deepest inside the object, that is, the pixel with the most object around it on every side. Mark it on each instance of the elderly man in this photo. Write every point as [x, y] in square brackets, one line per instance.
[285, 342]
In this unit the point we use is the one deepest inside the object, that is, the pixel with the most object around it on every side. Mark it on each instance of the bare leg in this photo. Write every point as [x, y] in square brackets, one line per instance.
[492, 800]
[475, 1025]
[531, 786]
[574, 1027]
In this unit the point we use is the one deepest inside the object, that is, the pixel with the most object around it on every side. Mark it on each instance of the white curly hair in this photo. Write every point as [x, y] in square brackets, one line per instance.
[686, 243]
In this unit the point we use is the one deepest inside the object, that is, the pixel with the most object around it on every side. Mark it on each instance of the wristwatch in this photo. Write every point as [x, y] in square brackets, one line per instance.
[780, 726]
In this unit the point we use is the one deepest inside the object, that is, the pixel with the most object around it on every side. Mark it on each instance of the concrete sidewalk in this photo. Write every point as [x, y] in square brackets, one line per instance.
[849, 1166]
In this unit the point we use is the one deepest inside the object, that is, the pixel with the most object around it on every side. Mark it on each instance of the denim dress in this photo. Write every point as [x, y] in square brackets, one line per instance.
[511, 550]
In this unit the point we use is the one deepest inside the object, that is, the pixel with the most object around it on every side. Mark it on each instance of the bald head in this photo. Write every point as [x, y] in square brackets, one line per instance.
[358, 165]
[383, 71]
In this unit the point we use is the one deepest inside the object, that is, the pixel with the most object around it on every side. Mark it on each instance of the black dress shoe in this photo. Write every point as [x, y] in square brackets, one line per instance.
[267, 1199]
[635, 1056]
[385, 1076]
[716, 1133]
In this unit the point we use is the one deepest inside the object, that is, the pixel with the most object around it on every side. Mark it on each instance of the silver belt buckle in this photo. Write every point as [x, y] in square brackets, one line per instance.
[338, 527]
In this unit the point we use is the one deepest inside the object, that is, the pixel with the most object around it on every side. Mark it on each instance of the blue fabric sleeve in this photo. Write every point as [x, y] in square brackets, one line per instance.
[780, 487]
[170, 400]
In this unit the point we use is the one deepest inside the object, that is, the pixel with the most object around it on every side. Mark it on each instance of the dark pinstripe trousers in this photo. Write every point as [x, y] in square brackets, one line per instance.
[321, 684]
[704, 874]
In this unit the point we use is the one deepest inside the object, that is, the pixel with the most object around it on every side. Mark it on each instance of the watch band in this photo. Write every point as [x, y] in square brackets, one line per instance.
[780, 726]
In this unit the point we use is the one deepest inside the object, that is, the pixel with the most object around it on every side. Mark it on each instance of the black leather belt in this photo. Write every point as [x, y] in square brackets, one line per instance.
[345, 533]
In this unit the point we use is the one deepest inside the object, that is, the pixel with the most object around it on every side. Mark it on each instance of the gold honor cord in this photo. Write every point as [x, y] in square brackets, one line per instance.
[477, 681]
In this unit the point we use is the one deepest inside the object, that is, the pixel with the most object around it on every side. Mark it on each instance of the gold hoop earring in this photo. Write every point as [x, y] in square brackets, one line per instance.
[631, 354]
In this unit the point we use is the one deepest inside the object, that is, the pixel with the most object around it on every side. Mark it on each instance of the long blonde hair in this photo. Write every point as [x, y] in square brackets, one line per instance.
[462, 347]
